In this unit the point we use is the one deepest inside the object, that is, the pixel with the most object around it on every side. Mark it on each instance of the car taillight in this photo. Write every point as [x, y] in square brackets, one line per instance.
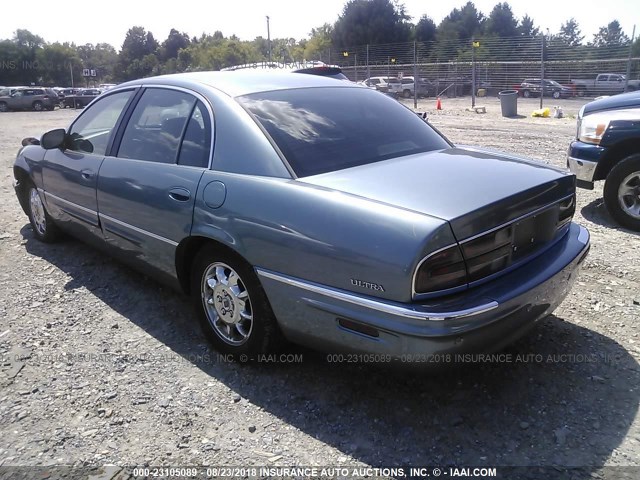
[441, 271]
[488, 254]
[480, 257]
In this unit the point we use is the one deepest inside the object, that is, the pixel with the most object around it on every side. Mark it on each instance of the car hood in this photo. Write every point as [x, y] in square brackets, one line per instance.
[623, 100]
[474, 190]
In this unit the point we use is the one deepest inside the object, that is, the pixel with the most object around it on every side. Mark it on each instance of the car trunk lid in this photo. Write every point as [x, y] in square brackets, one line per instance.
[474, 190]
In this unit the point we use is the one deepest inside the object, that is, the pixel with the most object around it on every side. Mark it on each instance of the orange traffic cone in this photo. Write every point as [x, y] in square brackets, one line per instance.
[438, 104]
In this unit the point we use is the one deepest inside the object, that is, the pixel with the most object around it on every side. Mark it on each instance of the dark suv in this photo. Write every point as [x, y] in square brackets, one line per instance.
[28, 98]
[530, 87]
[607, 147]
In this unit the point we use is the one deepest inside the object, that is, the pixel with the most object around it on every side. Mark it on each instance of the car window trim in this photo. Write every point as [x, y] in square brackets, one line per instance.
[143, 88]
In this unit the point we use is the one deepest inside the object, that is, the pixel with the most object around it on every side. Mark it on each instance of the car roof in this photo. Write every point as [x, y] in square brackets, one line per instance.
[242, 82]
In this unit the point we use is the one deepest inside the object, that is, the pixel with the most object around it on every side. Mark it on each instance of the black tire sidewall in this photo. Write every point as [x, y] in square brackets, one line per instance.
[618, 173]
[265, 335]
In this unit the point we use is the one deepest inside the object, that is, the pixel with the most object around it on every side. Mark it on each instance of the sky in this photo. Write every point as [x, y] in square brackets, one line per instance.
[288, 18]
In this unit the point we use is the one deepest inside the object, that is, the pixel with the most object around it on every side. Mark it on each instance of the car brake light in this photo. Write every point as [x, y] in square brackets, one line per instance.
[441, 271]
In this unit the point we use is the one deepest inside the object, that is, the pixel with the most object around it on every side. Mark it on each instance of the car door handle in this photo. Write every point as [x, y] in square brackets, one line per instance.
[180, 194]
[87, 174]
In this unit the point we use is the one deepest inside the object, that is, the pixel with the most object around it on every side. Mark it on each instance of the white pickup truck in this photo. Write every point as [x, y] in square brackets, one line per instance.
[604, 84]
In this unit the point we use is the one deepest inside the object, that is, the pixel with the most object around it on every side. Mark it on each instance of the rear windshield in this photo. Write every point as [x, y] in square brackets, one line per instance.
[321, 130]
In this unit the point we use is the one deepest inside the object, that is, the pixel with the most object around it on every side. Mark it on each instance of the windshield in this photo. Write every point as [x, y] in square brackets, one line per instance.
[321, 130]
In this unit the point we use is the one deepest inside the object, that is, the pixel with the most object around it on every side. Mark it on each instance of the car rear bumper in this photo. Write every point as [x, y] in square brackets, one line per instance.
[483, 319]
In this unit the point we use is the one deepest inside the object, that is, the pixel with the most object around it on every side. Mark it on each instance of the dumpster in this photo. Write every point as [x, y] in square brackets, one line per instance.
[509, 102]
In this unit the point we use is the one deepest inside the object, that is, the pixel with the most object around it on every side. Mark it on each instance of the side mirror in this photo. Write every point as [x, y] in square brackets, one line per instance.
[53, 139]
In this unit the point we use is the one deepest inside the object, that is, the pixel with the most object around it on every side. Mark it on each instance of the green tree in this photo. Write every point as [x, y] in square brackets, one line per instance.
[24, 38]
[635, 48]
[319, 43]
[54, 62]
[101, 57]
[462, 24]
[425, 30]
[11, 66]
[501, 21]
[134, 61]
[526, 27]
[371, 22]
[570, 33]
[610, 35]
[175, 42]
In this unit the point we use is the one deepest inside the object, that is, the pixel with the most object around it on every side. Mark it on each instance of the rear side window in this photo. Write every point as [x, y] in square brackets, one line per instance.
[321, 130]
[196, 144]
[157, 125]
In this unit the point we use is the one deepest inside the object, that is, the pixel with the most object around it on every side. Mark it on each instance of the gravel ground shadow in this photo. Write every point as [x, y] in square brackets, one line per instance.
[562, 396]
[596, 212]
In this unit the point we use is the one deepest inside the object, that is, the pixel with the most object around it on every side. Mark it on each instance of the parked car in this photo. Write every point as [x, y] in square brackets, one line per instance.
[405, 87]
[80, 99]
[604, 84]
[531, 87]
[28, 98]
[320, 211]
[377, 83]
[607, 147]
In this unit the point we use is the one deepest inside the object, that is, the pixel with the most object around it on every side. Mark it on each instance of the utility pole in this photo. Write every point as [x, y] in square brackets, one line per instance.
[269, 38]
[474, 45]
[542, 72]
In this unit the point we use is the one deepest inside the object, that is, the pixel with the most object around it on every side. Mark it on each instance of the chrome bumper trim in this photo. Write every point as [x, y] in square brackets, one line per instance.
[134, 228]
[583, 169]
[378, 305]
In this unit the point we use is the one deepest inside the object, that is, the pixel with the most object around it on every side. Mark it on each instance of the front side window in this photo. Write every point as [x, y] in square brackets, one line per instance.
[91, 131]
[157, 125]
[322, 130]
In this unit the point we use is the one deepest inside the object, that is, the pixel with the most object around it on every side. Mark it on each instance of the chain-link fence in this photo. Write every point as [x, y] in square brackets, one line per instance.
[486, 66]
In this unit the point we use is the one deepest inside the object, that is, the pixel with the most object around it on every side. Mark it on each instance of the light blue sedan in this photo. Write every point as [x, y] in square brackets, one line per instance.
[297, 207]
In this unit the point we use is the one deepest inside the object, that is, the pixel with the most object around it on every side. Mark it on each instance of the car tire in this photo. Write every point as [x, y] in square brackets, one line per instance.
[406, 93]
[526, 93]
[37, 106]
[556, 95]
[42, 224]
[622, 192]
[4, 107]
[232, 308]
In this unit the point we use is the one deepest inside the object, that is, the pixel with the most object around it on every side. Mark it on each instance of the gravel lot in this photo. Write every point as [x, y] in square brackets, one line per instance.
[101, 365]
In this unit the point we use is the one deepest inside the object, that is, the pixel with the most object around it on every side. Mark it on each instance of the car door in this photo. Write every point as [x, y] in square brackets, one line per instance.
[70, 175]
[17, 100]
[146, 192]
